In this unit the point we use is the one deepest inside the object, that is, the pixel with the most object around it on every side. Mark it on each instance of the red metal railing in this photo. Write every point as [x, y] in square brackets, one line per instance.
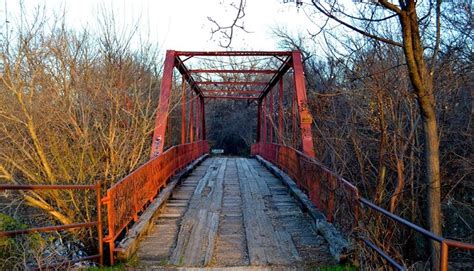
[322, 186]
[328, 190]
[97, 223]
[128, 197]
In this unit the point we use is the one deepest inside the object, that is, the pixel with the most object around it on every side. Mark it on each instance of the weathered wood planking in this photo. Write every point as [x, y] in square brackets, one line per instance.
[234, 213]
[199, 226]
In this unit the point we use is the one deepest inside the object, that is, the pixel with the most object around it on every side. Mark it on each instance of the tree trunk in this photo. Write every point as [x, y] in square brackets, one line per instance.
[422, 82]
[433, 179]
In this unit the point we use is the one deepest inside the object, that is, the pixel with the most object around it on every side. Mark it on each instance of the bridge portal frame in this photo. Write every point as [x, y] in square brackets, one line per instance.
[290, 60]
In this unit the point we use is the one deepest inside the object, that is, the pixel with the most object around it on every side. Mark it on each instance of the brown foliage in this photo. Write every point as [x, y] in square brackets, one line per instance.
[74, 109]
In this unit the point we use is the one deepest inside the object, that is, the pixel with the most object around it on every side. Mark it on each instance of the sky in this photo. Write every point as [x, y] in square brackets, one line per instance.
[177, 24]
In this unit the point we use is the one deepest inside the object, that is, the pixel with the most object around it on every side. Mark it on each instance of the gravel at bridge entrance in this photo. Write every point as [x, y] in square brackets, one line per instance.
[232, 212]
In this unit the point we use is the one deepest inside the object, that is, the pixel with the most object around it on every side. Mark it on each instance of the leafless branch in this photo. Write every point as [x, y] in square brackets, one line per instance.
[227, 31]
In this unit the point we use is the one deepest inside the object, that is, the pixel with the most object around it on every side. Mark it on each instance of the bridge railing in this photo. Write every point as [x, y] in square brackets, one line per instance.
[128, 197]
[323, 187]
[340, 201]
[67, 227]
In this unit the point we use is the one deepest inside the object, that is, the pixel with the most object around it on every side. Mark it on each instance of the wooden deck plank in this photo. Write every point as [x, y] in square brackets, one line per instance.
[231, 246]
[199, 227]
[281, 248]
[233, 212]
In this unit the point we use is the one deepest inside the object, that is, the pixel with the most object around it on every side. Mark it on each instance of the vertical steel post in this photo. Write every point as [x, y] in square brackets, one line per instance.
[183, 111]
[306, 120]
[203, 119]
[191, 119]
[280, 113]
[163, 105]
[198, 119]
[294, 112]
[271, 116]
[264, 106]
[196, 116]
[259, 121]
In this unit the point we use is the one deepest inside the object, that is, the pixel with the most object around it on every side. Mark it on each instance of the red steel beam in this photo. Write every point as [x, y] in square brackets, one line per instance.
[226, 91]
[187, 76]
[280, 112]
[271, 116]
[203, 119]
[285, 66]
[265, 132]
[306, 120]
[234, 71]
[234, 53]
[183, 111]
[197, 122]
[191, 119]
[294, 113]
[259, 120]
[231, 97]
[232, 83]
[159, 132]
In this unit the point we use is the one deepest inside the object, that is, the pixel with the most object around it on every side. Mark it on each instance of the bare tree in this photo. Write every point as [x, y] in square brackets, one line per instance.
[366, 87]
[75, 108]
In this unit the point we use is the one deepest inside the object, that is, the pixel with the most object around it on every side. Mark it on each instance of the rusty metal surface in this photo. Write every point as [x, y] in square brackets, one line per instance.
[183, 70]
[231, 97]
[339, 200]
[232, 83]
[234, 71]
[162, 112]
[128, 197]
[306, 120]
[231, 91]
[233, 53]
[277, 76]
[202, 118]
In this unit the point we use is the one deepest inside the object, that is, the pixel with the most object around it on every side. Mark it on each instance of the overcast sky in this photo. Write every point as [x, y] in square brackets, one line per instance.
[178, 24]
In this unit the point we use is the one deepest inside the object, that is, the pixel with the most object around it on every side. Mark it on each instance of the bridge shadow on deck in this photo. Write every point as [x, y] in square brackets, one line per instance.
[232, 212]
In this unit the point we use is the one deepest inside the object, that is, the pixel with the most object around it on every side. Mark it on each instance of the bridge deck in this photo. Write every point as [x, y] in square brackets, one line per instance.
[232, 212]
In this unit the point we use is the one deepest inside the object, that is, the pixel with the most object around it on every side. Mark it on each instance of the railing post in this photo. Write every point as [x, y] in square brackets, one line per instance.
[99, 224]
[110, 222]
[443, 265]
